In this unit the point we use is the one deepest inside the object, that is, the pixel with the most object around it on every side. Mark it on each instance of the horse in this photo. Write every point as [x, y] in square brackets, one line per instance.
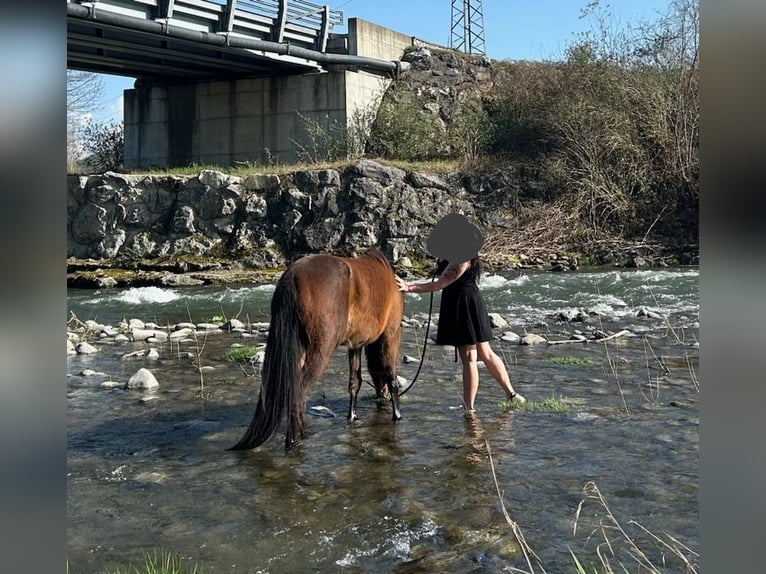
[321, 302]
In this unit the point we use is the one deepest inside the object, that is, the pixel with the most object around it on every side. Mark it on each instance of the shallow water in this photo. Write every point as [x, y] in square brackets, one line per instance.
[149, 470]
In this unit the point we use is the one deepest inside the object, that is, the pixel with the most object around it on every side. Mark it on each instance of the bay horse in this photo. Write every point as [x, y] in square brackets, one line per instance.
[320, 303]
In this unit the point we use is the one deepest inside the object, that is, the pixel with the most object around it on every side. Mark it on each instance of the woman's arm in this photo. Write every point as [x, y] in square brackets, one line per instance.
[449, 275]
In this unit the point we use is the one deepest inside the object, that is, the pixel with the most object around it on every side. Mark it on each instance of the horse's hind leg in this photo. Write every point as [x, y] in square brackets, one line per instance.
[314, 363]
[354, 380]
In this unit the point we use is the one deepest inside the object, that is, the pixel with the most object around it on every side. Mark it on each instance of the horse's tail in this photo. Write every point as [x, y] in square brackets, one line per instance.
[285, 344]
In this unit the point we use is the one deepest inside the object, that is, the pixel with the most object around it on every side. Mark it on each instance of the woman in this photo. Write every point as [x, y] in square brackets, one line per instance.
[463, 318]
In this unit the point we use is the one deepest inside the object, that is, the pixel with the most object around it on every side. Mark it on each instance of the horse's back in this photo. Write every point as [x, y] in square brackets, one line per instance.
[352, 299]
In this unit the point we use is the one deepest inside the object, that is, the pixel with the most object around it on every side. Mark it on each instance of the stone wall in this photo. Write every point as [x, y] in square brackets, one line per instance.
[261, 220]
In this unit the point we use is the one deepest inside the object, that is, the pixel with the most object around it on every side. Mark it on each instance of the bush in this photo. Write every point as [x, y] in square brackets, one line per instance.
[403, 129]
[103, 146]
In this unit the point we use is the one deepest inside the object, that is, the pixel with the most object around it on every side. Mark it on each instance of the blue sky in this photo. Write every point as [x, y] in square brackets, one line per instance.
[513, 29]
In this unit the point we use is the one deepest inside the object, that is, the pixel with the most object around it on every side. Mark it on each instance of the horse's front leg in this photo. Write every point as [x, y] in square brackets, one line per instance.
[393, 389]
[354, 380]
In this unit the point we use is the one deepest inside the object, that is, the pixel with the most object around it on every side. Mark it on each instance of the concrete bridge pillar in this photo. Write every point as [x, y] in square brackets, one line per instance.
[255, 119]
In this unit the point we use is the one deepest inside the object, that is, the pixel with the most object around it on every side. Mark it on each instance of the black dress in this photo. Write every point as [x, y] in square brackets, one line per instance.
[463, 317]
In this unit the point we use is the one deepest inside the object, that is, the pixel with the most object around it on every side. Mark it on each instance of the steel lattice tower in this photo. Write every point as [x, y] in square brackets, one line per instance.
[467, 27]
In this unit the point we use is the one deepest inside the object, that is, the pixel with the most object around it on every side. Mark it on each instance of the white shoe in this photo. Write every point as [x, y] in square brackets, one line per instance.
[516, 397]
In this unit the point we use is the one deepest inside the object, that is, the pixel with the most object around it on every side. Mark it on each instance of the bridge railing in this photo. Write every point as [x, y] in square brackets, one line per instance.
[295, 21]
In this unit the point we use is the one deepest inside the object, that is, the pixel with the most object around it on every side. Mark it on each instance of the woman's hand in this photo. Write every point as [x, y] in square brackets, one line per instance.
[402, 284]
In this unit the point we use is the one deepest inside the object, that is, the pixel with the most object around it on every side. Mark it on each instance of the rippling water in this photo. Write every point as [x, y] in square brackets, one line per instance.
[150, 471]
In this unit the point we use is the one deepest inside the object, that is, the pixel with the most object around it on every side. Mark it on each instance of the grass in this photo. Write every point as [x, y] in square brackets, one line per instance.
[371, 397]
[551, 404]
[242, 354]
[437, 166]
[618, 551]
[165, 563]
[568, 360]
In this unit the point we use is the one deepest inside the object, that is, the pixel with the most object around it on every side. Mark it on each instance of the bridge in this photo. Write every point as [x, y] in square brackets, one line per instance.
[230, 81]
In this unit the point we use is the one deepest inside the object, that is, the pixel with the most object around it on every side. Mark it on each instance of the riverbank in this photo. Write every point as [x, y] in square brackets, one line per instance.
[217, 228]
[101, 274]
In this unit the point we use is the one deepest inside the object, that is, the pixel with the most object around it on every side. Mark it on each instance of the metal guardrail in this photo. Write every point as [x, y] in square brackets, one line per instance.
[297, 22]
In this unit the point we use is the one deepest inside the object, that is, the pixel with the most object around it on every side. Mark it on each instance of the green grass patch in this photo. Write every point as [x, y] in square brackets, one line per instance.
[242, 354]
[164, 563]
[567, 360]
[551, 404]
[371, 397]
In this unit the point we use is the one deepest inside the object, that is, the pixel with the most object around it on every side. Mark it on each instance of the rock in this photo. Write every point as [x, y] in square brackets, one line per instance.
[146, 334]
[532, 339]
[510, 337]
[497, 321]
[233, 325]
[70, 350]
[142, 379]
[85, 348]
[644, 312]
[420, 180]
[181, 334]
[382, 174]
[260, 181]
[136, 324]
[111, 385]
[212, 178]
[419, 58]
[153, 355]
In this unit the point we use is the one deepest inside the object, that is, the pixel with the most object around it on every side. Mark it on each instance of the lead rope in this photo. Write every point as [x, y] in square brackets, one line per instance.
[425, 338]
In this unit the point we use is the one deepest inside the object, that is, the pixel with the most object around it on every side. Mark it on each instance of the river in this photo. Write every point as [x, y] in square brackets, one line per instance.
[148, 471]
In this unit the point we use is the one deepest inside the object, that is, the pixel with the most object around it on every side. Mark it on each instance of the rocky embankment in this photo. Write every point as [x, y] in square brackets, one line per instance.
[217, 228]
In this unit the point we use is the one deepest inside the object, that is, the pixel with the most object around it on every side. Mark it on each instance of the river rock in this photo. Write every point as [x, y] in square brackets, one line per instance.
[233, 325]
[181, 334]
[85, 348]
[70, 350]
[142, 379]
[648, 313]
[497, 321]
[532, 339]
[510, 337]
[146, 334]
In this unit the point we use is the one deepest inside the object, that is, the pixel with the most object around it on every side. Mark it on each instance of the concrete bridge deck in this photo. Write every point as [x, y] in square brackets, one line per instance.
[196, 39]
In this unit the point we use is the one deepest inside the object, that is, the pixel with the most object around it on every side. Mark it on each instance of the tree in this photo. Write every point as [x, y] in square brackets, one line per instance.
[84, 91]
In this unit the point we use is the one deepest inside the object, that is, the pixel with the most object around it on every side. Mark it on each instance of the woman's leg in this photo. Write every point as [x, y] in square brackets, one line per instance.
[497, 369]
[470, 375]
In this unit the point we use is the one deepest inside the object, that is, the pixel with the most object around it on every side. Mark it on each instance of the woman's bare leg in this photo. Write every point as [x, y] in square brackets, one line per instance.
[496, 367]
[468, 357]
